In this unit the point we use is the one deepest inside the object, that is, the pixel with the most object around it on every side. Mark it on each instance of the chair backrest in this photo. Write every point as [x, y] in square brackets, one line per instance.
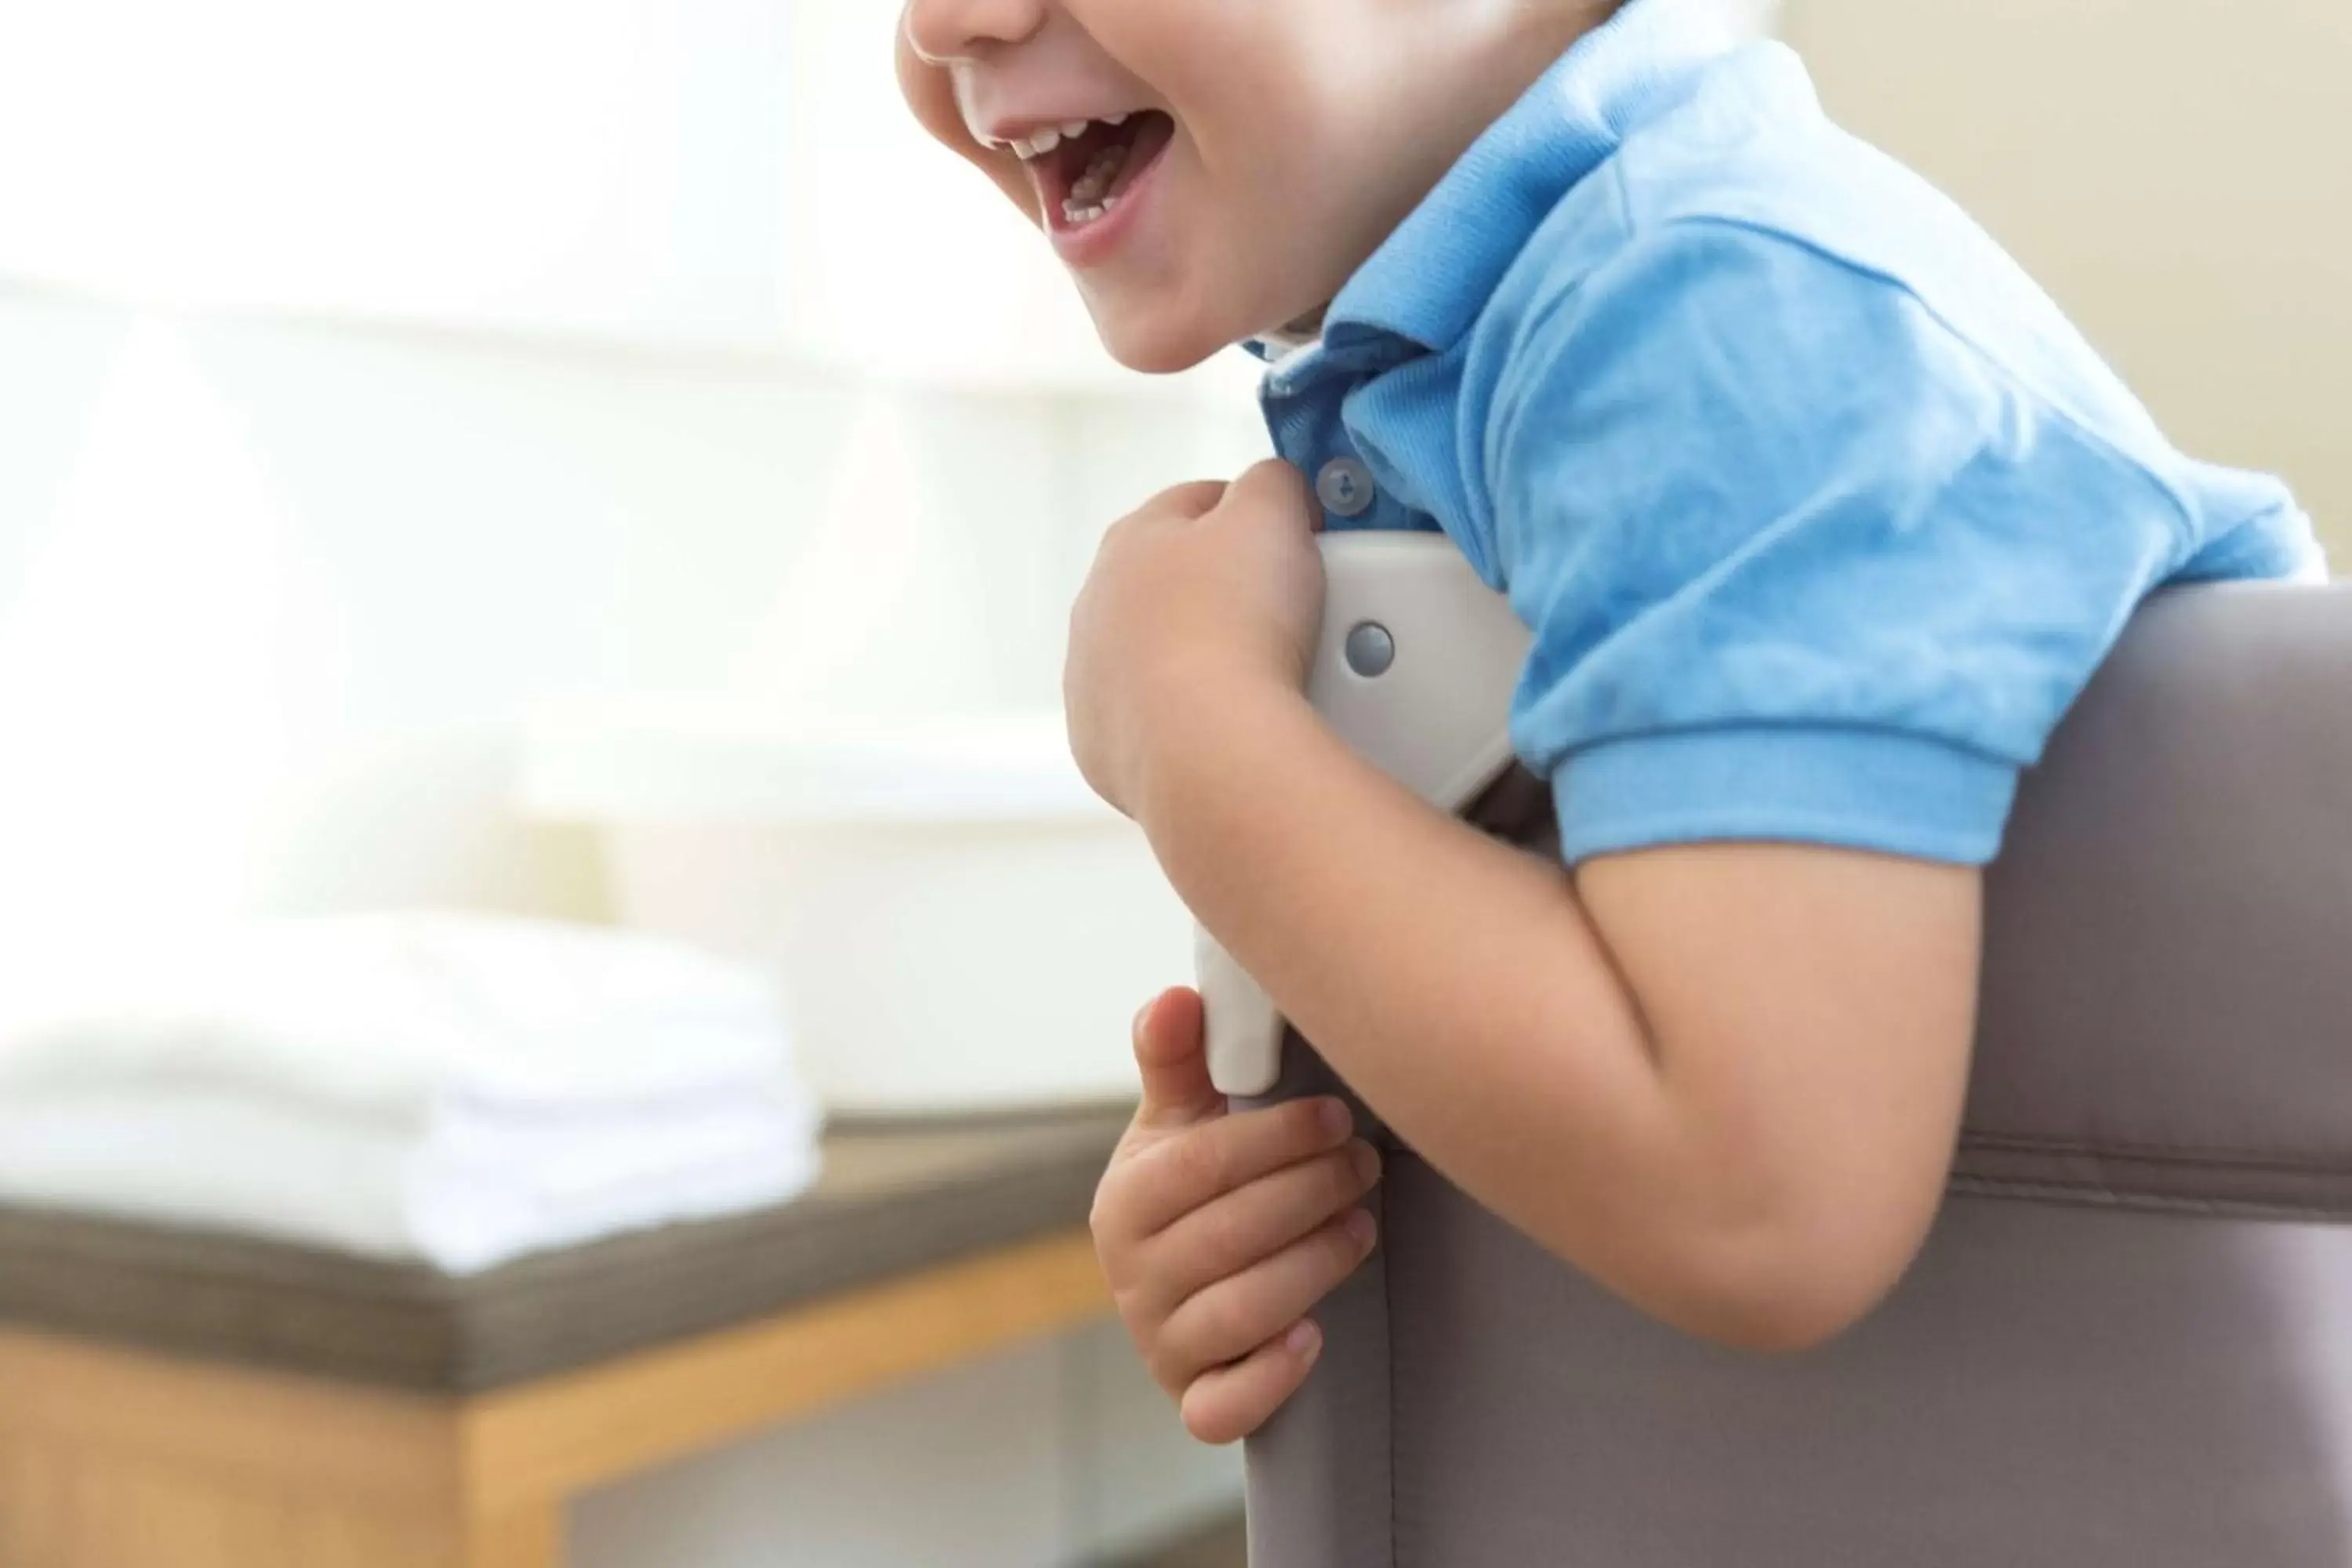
[2107, 1352]
[2166, 1006]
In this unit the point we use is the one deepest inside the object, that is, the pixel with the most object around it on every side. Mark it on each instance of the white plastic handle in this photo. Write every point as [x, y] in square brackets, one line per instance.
[1425, 696]
[1244, 1027]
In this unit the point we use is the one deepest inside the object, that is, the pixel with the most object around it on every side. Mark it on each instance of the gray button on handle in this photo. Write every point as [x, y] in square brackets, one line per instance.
[1370, 649]
[1415, 669]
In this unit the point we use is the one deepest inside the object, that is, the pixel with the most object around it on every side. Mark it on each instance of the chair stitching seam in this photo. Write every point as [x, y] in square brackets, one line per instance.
[2157, 1153]
[2094, 1195]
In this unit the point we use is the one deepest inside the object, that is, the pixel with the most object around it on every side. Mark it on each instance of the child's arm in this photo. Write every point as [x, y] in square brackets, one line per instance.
[1725, 1080]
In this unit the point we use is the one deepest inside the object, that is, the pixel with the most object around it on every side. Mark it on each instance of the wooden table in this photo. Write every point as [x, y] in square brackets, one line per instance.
[179, 1401]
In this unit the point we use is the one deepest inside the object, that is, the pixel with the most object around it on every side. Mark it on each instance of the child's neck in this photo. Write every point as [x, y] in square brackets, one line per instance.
[1525, 44]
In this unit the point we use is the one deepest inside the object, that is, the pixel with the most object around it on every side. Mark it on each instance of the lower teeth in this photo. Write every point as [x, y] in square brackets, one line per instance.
[1099, 174]
[1087, 201]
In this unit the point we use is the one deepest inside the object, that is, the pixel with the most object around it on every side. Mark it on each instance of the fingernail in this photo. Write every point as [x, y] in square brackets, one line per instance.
[1143, 1016]
[1361, 1228]
[1367, 1160]
[1334, 1120]
[1304, 1339]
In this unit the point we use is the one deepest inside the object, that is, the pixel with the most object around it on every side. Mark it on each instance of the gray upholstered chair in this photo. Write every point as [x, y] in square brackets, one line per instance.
[2129, 1341]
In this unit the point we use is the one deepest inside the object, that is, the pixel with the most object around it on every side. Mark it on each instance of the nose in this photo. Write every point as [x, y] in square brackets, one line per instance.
[944, 30]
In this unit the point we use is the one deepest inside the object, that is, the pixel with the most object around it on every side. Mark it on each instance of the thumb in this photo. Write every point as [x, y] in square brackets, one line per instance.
[1274, 491]
[1192, 500]
[1174, 1062]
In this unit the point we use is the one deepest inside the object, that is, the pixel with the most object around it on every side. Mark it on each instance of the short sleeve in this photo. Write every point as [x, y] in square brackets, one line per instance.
[1801, 563]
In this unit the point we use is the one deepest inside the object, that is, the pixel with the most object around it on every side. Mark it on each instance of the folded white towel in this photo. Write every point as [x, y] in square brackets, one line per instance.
[457, 1088]
[394, 1015]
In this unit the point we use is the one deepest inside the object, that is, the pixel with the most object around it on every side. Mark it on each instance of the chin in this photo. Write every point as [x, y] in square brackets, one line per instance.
[1163, 341]
[1158, 351]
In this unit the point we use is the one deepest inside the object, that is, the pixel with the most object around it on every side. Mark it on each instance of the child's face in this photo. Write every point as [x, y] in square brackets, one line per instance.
[1234, 160]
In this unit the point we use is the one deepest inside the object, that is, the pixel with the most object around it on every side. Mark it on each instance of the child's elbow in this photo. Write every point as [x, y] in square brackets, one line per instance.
[1781, 1322]
[1788, 1290]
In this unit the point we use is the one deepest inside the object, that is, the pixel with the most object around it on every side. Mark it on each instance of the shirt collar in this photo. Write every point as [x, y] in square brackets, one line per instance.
[1429, 280]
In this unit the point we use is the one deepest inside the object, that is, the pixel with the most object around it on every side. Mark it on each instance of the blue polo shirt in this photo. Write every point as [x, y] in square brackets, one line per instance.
[1821, 513]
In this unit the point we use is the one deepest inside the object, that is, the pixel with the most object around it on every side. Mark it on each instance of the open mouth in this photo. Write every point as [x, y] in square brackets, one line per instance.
[1081, 178]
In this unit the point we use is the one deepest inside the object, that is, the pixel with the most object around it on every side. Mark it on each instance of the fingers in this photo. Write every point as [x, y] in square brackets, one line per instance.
[1231, 1318]
[1226, 1403]
[1172, 1057]
[1196, 499]
[1229, 1235]
[1149, 1190]
[1272, 487]
[1275, 490]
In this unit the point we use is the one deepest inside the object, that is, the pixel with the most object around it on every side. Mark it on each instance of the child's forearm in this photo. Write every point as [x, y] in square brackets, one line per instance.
[1451, 979]
[1462, 987]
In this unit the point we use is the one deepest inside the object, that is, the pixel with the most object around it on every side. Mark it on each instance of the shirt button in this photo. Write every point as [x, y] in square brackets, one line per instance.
[1345, 487]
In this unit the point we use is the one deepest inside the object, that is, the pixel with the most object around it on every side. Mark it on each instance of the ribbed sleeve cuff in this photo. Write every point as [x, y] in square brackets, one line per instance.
[1851, 787]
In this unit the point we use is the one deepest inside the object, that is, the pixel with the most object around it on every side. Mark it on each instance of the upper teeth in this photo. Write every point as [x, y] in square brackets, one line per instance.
[1043, 142]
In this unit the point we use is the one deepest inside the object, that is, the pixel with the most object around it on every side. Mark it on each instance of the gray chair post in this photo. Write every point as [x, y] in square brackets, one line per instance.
[2129, 1339]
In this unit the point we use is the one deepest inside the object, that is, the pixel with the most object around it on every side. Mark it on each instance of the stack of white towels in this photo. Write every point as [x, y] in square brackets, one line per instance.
[455, 1089]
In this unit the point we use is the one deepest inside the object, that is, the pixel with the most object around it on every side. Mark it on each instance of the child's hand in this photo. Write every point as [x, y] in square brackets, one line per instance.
[1205, 589]
[1219, 1231]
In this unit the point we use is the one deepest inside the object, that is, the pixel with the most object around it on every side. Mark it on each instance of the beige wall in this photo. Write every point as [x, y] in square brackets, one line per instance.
[2177, 172]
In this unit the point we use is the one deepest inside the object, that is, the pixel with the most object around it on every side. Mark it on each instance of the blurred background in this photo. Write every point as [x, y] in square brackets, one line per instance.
[595, 463]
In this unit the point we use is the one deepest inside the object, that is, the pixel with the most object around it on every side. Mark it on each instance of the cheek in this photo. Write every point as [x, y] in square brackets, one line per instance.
[1263, 128]
[1287, 211]
[1326, 180]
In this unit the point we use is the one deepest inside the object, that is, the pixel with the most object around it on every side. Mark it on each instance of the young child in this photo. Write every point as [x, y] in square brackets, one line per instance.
[1822, 515]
